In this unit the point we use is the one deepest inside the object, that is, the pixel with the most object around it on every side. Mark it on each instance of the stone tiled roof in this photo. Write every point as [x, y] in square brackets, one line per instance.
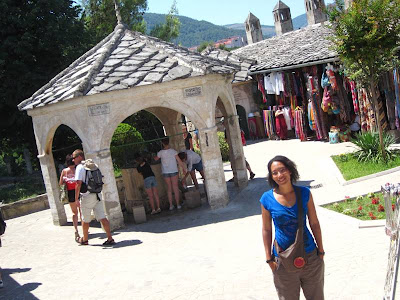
[280, 5]
[242, 63]
[306, 45]
[123, 60]
[251, 18]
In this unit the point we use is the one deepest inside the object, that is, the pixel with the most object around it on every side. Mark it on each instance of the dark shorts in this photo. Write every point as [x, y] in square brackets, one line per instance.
[71, 196]
[198, 166]
[170, 174]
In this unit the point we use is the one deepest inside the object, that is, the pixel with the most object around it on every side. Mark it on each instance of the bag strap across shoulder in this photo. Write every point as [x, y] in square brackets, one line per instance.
[300, 210]
[300, 219]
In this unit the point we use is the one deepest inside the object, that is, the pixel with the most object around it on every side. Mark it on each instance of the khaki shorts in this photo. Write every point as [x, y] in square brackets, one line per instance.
[88, 203]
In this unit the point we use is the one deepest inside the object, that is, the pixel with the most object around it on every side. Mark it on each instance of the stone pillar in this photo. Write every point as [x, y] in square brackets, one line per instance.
[213, 168]
[110, 191]
[236, 152]
[52, 189]
[174, 129]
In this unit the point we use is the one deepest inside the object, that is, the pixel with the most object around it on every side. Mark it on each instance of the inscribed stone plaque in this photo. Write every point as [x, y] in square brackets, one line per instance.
[99, 109]
[192, 92]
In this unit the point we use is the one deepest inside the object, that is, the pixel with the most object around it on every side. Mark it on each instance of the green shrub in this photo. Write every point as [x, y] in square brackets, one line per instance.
[123, 145]
[223, 146]
[27, 187]
[369, 147]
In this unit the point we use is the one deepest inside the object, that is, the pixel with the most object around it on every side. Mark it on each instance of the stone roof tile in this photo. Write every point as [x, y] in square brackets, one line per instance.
[306, 45]
[243, 64]
[123, 60]
[154, 77]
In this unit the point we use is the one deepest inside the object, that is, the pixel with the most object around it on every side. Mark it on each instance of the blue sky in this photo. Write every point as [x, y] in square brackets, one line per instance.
[223, 12]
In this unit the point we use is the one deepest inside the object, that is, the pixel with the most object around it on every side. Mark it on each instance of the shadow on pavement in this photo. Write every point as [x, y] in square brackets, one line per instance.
[13, 290]
[121, 244]
[243, 203]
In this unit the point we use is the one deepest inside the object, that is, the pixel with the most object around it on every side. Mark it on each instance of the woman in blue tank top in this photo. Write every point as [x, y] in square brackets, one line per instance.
[280, 206]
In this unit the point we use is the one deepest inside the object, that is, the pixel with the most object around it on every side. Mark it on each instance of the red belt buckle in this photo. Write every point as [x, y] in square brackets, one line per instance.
[299, 262]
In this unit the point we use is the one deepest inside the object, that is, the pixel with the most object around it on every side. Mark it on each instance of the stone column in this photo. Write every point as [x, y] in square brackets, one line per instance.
[236, 152]
[52, 189]
[213, 168]
[110, 196]
[174, 129]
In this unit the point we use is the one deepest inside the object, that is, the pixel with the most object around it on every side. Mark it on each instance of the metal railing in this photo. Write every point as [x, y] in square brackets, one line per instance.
[391, 194]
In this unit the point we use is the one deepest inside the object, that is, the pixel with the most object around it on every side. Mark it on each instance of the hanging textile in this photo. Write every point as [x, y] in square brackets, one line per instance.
[332, 79]
[345, 108]
[354, 96]
[269, 123]
[270, 83]
[381, 114]
[281, 128]
[299, 124]
[279, 80]
[287, 114]
[316, 108]
[260, 82]
[366, 112]
[301, 83]
[311, 120]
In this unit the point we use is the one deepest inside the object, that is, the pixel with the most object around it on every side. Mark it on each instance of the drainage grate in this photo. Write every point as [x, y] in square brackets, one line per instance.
[317, 186]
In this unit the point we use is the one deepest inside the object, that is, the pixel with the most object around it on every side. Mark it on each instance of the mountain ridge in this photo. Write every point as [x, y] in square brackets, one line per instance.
[193, 32]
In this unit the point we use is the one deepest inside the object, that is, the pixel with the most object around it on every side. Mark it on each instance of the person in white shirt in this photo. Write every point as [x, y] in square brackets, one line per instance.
[169, 167]
[194, 162]
[88, 202]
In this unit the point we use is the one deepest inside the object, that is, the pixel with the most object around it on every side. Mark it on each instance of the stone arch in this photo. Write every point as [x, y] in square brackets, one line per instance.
[67, 149]
[231, 124]
[115, 121]
[225, 105]
[46, 139]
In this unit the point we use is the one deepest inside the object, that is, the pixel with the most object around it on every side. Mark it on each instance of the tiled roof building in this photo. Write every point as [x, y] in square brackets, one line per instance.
[309, 45]
[122, 60]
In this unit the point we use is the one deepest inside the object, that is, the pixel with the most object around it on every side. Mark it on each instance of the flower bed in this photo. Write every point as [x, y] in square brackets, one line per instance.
[369, 207]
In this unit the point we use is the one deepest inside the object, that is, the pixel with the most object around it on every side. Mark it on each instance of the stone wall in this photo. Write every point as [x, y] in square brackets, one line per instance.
[24, 207]
[135, 193]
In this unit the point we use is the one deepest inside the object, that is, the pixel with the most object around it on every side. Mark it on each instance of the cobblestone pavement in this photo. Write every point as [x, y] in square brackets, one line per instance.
[198, 254]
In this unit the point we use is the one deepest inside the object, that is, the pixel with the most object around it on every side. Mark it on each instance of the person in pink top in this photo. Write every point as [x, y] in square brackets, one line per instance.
[68, 177]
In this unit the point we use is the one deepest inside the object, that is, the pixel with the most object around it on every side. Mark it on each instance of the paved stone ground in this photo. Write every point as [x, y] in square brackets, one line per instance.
[198, 254]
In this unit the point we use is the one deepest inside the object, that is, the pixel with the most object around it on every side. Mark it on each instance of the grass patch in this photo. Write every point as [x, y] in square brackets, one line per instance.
[351, 168]
[370, 207]
[23, 189]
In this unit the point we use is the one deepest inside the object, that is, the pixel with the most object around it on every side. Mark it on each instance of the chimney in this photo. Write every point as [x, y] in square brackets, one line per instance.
[282, 18]
[253, 29]
[315, 11]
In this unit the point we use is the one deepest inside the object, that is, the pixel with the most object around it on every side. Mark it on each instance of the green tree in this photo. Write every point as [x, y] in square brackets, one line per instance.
[125, 142]
[38, 40]
[170, 29]
[366, 36]
[100, 17]
[204, 45]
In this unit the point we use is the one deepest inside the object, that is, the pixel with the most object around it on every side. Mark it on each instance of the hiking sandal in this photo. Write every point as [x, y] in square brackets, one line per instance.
[81, 242]
[77, 236]
[109, 242]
